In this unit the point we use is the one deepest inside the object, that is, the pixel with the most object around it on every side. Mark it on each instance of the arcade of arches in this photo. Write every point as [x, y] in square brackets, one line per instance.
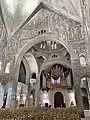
[46, 61]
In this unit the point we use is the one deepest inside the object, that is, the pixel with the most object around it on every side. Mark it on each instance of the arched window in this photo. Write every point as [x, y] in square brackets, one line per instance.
[22, 73]
[83, 80]
[0, 66]
[7, 70]
[34, 75]
[82, 60]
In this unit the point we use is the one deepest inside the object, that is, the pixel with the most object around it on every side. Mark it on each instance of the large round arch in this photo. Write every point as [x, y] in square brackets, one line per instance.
[31, 43]
[51, 63]
[27, 70]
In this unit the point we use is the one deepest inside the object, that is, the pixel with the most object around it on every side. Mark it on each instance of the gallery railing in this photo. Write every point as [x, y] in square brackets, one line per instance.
[40, 114]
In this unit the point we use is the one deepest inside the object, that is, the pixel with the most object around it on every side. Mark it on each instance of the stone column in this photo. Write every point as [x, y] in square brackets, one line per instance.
[14, 86]
[44, 81]
[37, 90]
[29, 99]
[76, 79]
[14, 91]
[28, 95]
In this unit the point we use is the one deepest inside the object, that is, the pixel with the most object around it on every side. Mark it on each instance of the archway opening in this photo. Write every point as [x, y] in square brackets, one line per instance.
[22, 73]
[58, 100]
[56, 75]
[85, 103]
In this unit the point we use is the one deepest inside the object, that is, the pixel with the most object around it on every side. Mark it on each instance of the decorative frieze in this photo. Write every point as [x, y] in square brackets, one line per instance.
[45, 22]
[78, 48]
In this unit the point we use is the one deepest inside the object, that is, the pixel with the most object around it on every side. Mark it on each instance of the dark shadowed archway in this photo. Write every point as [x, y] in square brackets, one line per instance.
[58, 100]
[22, 73]
[85, 103]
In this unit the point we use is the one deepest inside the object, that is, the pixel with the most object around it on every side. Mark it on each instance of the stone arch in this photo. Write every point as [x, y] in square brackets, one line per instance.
[25, 48]
[33, 67]
[82, 54]
[27, 70]
[50, 63]
[34, 41]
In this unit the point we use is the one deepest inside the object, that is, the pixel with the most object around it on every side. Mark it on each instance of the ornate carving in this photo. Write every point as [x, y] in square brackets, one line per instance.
[79, 47]
[76, 72]
[3, 39]
[76, 33]
[44, 22]
[12, 46]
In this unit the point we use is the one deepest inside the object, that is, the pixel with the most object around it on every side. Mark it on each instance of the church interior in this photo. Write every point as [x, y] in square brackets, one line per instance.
[45, 56]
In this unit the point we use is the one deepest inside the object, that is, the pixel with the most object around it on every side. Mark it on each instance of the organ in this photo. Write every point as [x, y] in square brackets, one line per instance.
[56, 76]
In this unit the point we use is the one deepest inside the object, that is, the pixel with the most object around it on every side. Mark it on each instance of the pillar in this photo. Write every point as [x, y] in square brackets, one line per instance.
[14, 86]
[76, 79]
[44, 81]
[37, 95]
[30, 88]
[14, 91]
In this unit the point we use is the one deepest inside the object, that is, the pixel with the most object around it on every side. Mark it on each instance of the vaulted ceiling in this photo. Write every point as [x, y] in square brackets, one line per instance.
[16, 12]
